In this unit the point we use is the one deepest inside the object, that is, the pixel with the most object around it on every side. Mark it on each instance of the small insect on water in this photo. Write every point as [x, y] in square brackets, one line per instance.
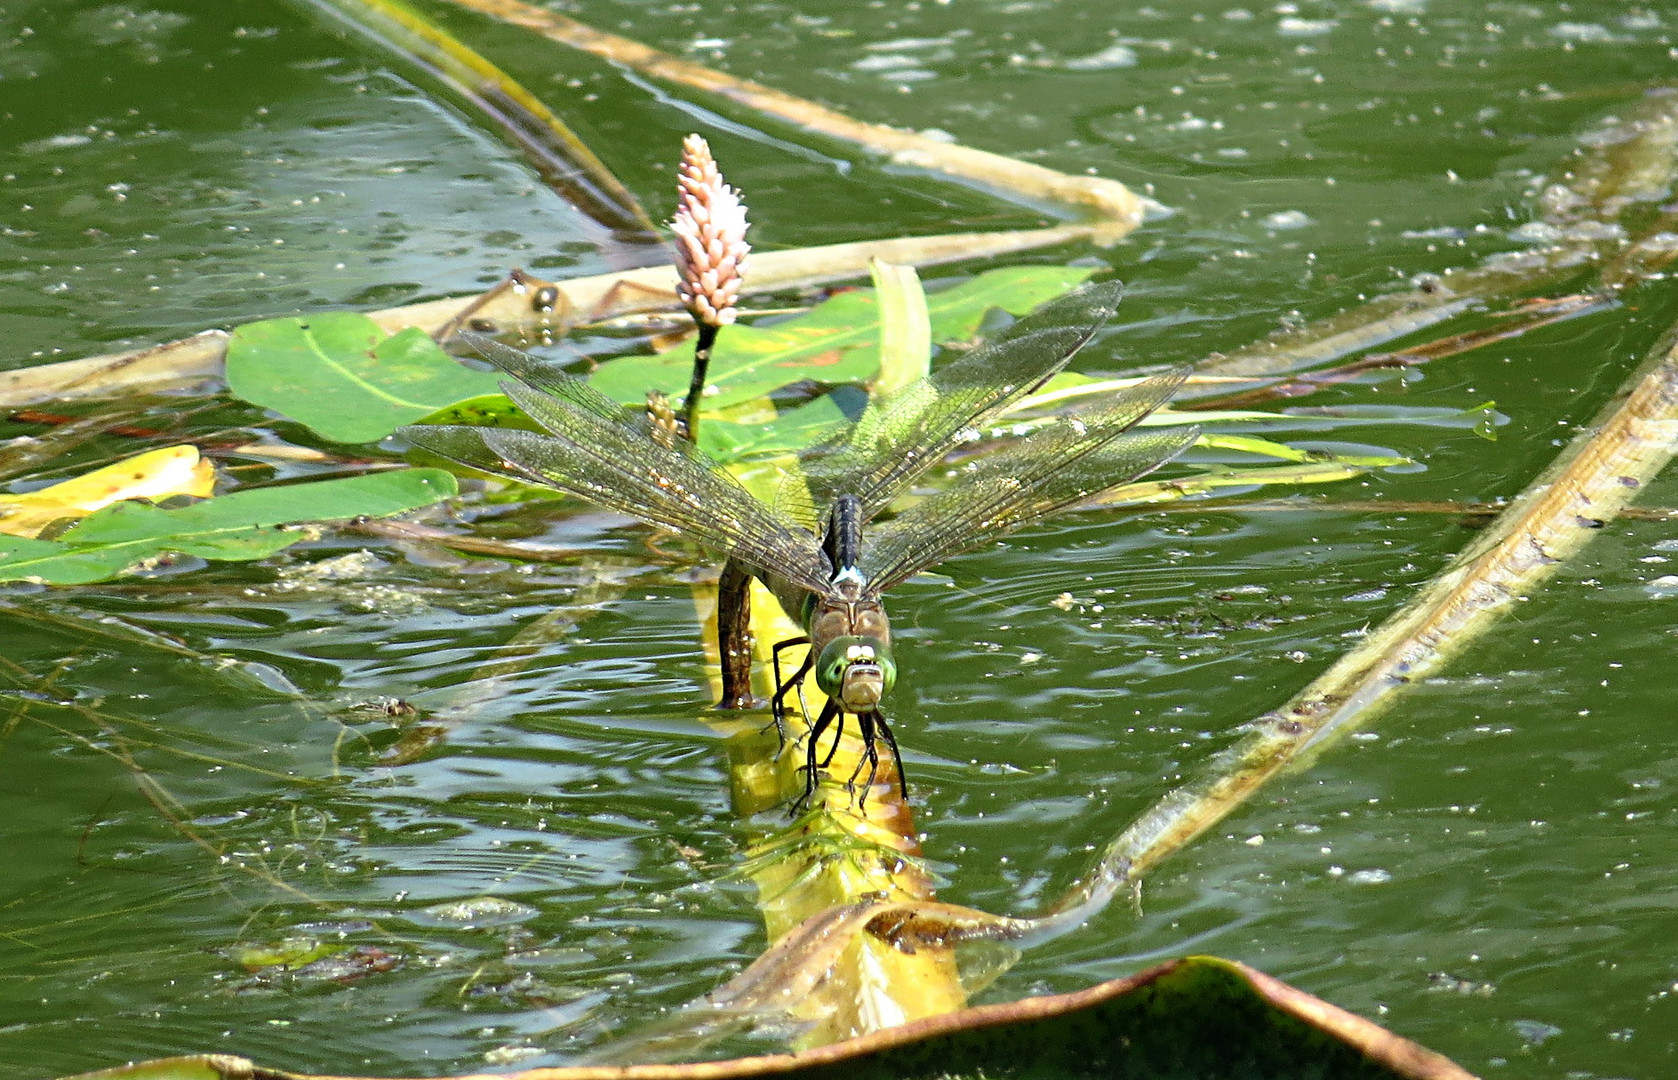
[819, 548]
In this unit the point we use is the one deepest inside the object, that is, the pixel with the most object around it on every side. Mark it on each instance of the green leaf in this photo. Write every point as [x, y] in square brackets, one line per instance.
[243, 525]
[1426, 415]
[486, 410]
[290, 952]
[788, 433]
[1143, 492]
[837, 341]
[1247, 444]
[196, 1067]
[1486, 420]
[340, 374]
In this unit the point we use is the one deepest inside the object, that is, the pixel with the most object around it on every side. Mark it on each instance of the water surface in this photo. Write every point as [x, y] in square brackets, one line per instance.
[1485, 871]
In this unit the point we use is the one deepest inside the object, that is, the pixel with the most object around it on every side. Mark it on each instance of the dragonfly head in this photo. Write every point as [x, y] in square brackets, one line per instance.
[857, 671]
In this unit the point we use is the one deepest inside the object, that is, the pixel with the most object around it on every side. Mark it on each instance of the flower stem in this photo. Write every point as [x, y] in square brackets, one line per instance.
[696, 388]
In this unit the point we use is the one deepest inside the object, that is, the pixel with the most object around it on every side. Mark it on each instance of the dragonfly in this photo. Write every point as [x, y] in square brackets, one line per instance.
[819, 548]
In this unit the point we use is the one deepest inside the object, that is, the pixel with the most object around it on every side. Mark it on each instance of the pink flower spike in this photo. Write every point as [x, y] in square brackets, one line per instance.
[710, 227]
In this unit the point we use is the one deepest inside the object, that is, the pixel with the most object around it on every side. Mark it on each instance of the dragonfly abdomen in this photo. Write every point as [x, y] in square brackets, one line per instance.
[843, 541]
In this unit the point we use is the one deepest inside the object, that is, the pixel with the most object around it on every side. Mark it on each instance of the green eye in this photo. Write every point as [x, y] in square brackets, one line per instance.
[831, 665]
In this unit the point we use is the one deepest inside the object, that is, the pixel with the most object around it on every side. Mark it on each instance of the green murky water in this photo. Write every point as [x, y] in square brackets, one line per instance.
[1486, 872]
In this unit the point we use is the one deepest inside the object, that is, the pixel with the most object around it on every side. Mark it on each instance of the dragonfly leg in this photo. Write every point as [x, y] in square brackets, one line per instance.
[838, 733]
[734, 636]
[778, 703]
[865, 725]
[897, 758]
[828, 714]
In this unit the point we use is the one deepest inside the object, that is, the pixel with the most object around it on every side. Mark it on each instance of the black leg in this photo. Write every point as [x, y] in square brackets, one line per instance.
[734, 636]
[838, 733]
[778, 703]
[827, 715]
[865, 725]
[891, 741]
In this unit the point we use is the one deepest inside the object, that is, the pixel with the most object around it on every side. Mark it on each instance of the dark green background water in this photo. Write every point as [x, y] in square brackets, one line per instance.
[177, 165]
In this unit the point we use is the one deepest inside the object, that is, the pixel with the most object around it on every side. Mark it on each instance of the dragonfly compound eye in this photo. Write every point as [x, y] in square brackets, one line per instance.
[830, 668]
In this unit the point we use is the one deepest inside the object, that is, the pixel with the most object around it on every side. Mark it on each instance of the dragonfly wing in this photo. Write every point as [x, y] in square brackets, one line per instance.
[548, 376]
[894, 442]
[612, 464]
[1054, 468]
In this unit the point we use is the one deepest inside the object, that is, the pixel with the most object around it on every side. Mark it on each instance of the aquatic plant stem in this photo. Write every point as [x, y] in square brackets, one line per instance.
[831, 857]
[1559, 513]
[696, 386]
[563, 160]
[734, 637]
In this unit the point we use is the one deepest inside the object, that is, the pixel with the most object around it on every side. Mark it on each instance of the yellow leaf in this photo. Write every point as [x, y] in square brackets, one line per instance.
[154, 475]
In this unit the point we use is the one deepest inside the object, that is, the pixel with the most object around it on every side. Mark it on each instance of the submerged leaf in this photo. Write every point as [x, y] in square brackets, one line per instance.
[156, 474]
[339, 373]
[1157, 491]
[289, 952]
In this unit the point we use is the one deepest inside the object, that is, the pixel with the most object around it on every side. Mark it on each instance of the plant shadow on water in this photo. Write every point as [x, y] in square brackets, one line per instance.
[1482, 868]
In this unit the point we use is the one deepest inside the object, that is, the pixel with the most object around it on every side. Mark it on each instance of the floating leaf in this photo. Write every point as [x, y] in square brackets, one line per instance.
[788, 433]
[837, 341]
[243, 525]
[156, 474]
[1247, 444]
[196, 1067]
[1157, 491]
[340, 374]
[487, 410]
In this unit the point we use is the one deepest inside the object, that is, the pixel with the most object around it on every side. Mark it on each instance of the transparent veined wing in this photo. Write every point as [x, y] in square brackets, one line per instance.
[894, 442]
[549, 376]
[1055, 467]
[593, 451]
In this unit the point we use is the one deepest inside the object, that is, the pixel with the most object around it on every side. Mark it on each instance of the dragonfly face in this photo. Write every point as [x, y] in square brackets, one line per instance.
[856, 671]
